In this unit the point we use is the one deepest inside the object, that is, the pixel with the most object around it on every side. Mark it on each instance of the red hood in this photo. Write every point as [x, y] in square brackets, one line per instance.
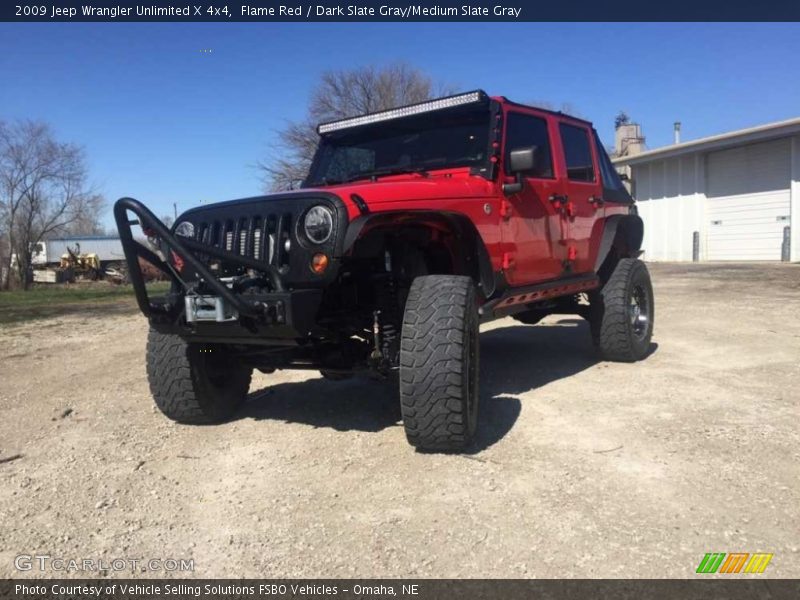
[405, 188]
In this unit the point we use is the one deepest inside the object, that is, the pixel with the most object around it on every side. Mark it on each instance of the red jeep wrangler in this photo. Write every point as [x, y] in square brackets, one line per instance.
[414, 225]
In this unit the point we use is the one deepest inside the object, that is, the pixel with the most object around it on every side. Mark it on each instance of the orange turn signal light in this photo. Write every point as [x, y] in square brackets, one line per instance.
[319, 262]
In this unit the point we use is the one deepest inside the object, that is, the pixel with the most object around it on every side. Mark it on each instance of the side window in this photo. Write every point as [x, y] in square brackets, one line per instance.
[613, 188]
[577, 152]
[525, 130]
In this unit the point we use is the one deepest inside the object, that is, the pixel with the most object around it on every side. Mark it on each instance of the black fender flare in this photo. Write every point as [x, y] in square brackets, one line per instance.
[476, 258]
[629, 228]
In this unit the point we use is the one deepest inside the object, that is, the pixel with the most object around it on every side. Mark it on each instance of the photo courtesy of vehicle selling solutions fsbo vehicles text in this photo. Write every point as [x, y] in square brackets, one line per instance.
[404, 300]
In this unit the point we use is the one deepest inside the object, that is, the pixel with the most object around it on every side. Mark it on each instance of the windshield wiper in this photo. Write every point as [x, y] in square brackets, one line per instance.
[390, 171]
[372, 175]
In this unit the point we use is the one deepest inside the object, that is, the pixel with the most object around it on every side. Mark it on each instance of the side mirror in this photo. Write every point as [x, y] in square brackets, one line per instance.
[520, 161]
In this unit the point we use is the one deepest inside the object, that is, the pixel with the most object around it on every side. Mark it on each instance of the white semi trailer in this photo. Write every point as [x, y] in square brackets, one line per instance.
[107, 248]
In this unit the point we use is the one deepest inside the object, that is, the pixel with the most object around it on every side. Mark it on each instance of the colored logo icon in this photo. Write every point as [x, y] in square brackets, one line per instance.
[735, 562]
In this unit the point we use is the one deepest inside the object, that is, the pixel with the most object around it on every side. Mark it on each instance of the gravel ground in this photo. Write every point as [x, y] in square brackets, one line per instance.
[582, 469]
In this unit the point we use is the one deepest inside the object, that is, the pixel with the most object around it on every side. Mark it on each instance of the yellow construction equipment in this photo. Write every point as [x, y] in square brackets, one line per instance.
[84, 266]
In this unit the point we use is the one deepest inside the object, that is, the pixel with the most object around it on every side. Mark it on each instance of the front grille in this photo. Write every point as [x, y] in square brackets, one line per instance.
[257, 241]
[264, 229]
[262, 237]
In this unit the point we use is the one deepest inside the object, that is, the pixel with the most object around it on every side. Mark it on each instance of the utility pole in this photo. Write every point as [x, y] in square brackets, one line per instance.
[175, 209]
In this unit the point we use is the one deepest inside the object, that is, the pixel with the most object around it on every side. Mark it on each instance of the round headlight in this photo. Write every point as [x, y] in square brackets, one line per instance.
[185, 229]
[318, 224]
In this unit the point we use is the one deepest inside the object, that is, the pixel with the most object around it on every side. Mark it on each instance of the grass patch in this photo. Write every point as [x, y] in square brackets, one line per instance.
[54, 300]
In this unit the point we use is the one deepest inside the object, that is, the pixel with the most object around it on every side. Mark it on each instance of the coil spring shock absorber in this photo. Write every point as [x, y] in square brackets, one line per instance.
[387, 315]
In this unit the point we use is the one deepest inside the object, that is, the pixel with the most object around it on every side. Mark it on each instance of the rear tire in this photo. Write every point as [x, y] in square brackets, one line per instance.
[439, 360]
[194, 383]
[622, 313]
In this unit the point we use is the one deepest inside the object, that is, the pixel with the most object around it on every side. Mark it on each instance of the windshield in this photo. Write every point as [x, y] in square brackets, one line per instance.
[451, 138]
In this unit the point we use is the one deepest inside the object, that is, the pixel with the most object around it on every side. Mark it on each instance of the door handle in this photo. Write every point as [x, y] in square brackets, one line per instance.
[558, 200]
[596, 201]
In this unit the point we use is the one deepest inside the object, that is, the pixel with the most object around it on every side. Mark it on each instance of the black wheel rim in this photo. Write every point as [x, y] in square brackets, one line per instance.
[639, 311]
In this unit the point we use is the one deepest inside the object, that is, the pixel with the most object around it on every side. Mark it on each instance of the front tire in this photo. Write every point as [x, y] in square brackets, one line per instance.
[194, 383]
[439, 360]
[622, 313]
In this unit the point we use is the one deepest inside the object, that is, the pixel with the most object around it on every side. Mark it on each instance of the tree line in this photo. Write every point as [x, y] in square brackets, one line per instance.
[44, 191]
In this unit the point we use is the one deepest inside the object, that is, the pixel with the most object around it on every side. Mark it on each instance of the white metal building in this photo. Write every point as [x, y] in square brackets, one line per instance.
[738, 190]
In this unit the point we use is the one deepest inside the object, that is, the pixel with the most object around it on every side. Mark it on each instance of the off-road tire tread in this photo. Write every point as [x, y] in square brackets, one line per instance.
[439, 311]
[177, 388]
[609, 322]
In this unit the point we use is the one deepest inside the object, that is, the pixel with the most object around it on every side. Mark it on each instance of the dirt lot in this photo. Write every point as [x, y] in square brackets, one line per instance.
[583, 468]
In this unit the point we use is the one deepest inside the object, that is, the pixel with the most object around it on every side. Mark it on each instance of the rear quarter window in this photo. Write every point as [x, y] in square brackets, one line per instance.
[613, 188]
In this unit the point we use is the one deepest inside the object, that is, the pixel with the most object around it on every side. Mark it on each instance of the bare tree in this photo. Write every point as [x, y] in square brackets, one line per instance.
[341, 94]
[87, 222]
[43, 190]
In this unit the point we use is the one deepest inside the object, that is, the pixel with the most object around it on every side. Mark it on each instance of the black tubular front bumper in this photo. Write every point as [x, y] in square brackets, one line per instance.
[280, 312]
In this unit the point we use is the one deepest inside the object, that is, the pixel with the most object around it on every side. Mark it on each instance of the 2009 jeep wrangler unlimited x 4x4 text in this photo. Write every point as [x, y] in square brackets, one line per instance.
[413, 226]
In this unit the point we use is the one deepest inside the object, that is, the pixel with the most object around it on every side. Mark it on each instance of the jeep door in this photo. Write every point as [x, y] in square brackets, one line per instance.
[581, 202]
[531, 227]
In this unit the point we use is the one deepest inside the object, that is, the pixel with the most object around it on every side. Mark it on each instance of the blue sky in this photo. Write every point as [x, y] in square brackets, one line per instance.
[164, 122]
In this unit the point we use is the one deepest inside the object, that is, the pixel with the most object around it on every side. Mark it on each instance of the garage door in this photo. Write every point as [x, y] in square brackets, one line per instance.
[748, 201]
